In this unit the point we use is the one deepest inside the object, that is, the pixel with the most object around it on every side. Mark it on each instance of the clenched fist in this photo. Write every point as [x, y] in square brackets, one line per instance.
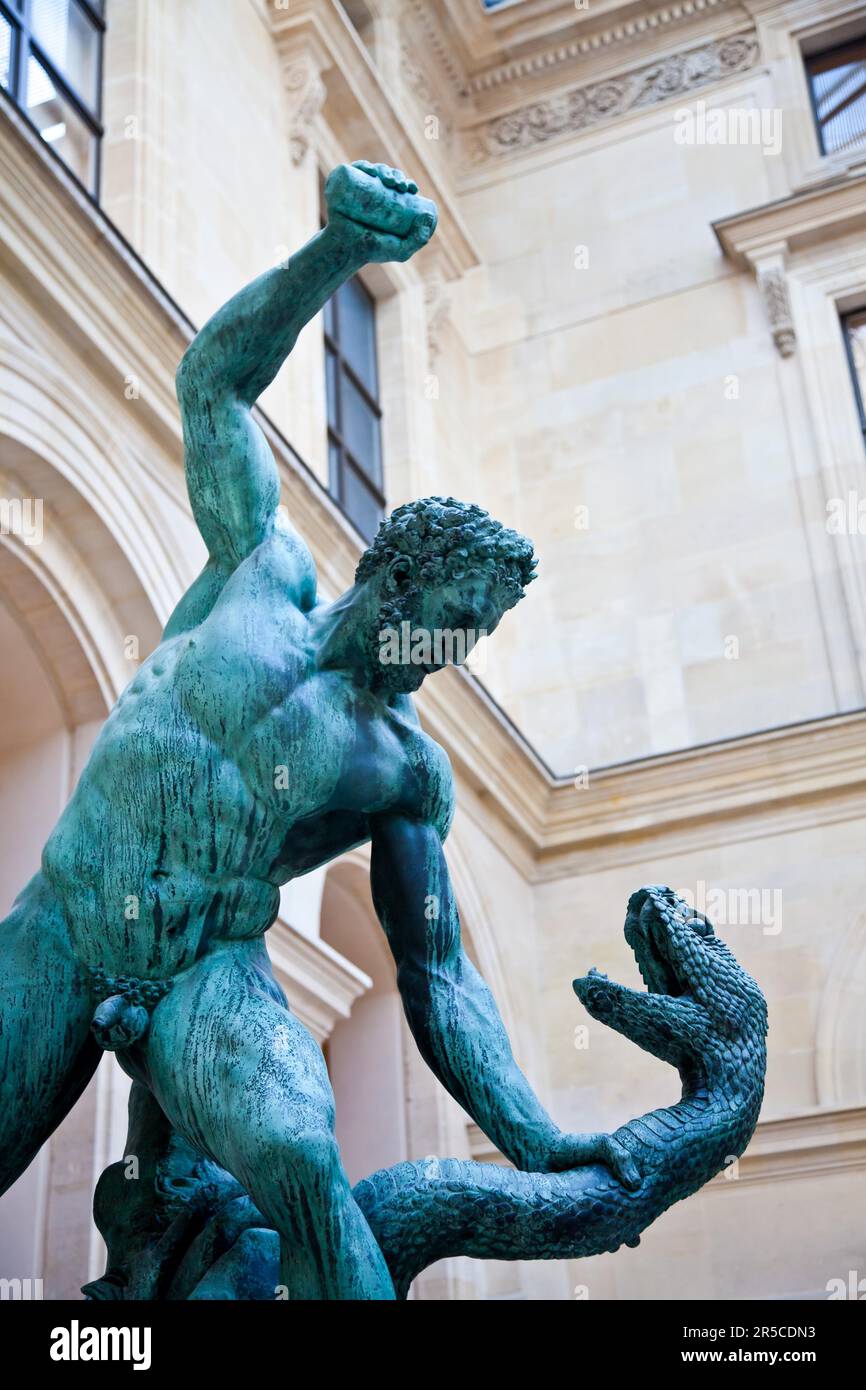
[381, 208]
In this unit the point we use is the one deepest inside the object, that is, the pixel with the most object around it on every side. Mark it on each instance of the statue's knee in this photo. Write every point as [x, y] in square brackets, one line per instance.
[308, 1157]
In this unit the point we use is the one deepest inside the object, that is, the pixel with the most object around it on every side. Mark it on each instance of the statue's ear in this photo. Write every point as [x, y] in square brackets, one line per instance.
[398, 571]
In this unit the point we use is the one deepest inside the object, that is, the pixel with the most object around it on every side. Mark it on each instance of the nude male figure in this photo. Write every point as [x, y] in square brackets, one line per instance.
[179, 809]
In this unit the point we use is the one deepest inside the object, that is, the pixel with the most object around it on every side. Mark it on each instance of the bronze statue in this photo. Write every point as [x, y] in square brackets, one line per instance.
[264, 737]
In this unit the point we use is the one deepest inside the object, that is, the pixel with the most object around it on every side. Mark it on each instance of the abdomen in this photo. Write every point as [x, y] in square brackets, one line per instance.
[160, 849]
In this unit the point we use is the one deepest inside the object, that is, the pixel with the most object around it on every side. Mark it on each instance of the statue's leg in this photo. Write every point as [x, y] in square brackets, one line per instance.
[242, 1080]
[47, 1053]
[175, 1224]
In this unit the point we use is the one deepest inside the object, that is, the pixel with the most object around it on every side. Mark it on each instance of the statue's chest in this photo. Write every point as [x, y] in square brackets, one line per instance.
[323, 750]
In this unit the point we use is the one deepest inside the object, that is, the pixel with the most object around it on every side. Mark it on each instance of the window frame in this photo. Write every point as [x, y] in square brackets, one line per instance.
[809, 61]
[347, 460]
[24, 44]
[859, 401]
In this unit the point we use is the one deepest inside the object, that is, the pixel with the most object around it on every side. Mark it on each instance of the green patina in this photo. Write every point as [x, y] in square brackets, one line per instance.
[262, 738]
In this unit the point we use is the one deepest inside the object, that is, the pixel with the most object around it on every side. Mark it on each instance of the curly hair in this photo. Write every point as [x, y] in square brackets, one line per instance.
[444, 539]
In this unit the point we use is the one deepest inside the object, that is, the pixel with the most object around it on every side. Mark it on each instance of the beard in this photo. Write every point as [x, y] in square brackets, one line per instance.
[395, 677]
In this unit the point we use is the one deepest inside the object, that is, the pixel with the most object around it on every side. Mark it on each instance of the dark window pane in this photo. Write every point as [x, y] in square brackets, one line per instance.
[360, 428]
[838, 80]
[58, 123]
[331, 388]
[5, 51]
[360, 503]
[855, 331]
[357, 327]
[334, 468]
[354, 450]
[70, 40]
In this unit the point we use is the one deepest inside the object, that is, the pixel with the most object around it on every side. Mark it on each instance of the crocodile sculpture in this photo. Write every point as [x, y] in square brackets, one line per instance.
[701, 1013]
[704, 1015]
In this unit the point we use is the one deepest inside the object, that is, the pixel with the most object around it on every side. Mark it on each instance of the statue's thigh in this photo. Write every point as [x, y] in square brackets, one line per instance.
[234, 1071]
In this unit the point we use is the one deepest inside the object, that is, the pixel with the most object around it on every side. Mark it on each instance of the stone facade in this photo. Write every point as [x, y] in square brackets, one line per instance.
[625, 341]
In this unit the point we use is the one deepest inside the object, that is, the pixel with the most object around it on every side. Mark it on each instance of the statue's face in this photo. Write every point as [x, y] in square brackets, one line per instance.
[436, 628]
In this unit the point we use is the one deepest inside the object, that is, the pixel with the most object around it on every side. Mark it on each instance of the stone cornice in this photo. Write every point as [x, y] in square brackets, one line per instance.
[762, 239]
[480, 52]
[834, 209]
[588, 36]
[764, 783]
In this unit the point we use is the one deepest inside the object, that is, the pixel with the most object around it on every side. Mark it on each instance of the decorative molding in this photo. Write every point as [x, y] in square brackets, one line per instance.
[437, 44]
[834, 209]
[773, 284]
[762, 239]
[590, 105]
[541, 64]
[72, 659]
[765, 783]
[816, 1143]
[306, 94]
[481, 53]
[419, 84]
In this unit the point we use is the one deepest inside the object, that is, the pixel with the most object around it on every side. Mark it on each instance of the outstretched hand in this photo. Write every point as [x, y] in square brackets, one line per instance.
[380, 209]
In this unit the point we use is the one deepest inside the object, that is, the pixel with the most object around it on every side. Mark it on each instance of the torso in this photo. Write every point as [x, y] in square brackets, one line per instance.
[229, 765]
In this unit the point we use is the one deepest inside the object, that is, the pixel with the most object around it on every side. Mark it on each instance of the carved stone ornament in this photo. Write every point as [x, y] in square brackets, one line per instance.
[592, 105]
[306, 96]
[774, 289]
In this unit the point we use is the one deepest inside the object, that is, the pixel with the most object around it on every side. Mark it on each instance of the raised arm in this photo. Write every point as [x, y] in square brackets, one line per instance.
[374, 214]
[452, 1014]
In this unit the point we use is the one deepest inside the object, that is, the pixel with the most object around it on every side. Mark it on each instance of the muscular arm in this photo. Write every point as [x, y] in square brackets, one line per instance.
[451, 1012]
[231, 473]
[374, 215]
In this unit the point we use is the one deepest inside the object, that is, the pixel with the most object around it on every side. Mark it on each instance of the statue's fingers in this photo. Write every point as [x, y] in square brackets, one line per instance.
[621, 1164]
[425, 224]
[422, 230]
[390, 177]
